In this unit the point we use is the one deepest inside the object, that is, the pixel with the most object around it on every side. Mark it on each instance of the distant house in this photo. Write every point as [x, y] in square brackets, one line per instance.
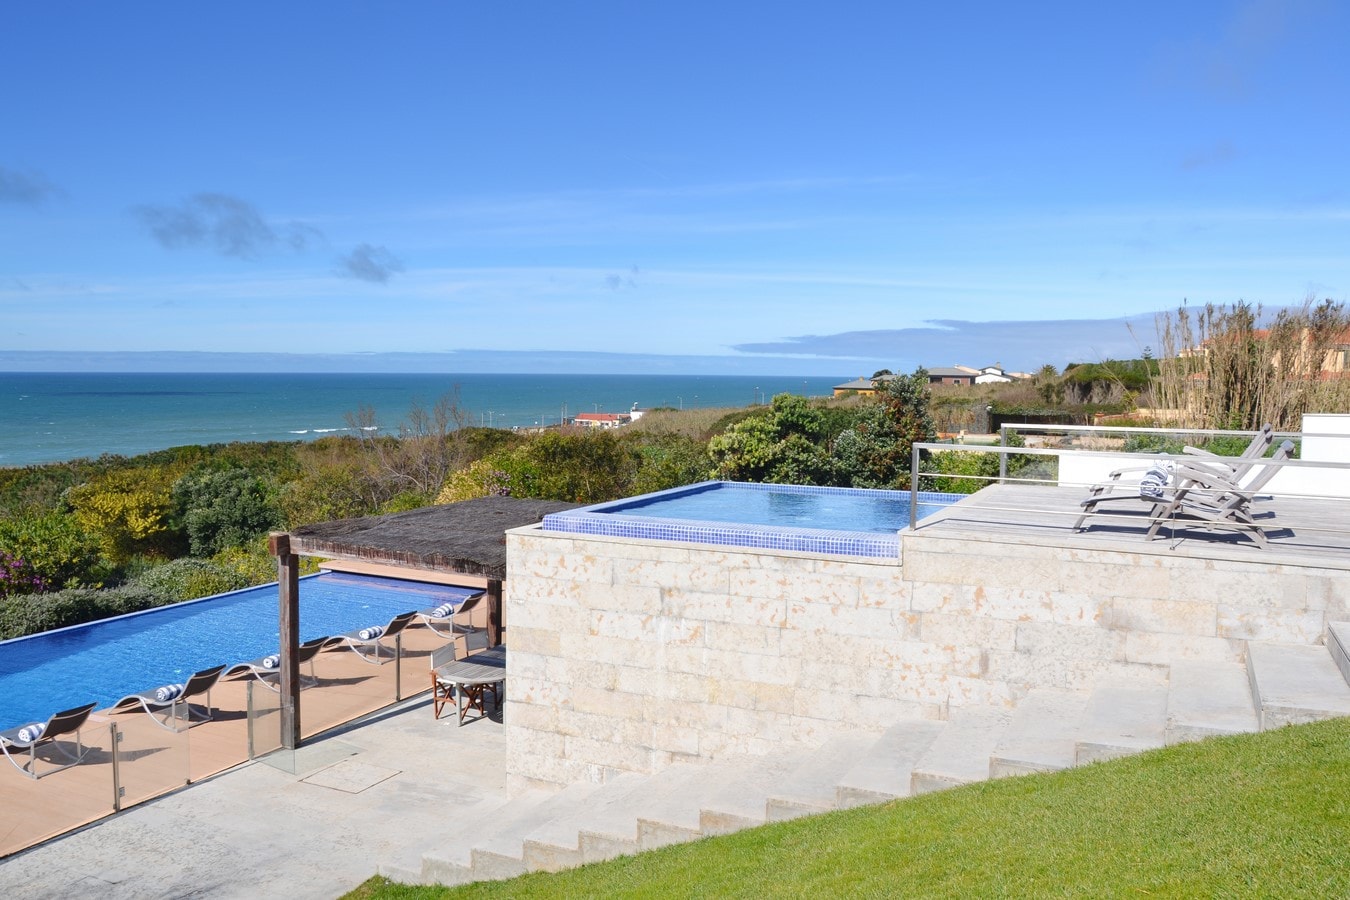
[601, 420]
[996, 374]
[863, 386]
[952, 375]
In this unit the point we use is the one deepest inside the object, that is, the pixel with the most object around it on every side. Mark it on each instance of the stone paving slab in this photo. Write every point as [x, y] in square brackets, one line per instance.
[258, 831]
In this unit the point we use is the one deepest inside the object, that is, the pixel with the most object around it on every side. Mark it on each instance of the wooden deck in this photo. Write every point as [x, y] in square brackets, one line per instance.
[1300, 531]
[152, 760]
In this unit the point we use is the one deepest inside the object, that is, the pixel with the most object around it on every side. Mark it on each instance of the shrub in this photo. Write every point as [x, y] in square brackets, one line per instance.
[223, 508]
[55, 548]
[189, 578]
[33, 613]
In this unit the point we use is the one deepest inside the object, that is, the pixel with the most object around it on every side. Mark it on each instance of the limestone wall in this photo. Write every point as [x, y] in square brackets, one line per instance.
[630, 655]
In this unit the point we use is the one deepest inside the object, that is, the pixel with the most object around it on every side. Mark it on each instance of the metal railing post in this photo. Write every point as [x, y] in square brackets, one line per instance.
[1002, 457]
[114, 737]
[913, 487]
[398, 667]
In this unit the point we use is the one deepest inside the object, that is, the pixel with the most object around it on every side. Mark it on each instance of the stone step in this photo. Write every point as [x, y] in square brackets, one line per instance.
[1208, 698]
[812, 787]
[1338, 645]
[610, 830]
[1041, 735]
[886, 770]
[499, 853]
[451, 862]
[1121, 721]
[741, 796]
[1295, 683]
[556, 844]
[960, 754]
[675, 815]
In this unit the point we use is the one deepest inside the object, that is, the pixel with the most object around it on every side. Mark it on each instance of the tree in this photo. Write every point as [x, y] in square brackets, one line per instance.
[129, 511]
[223, 508]
[781, 445]
[426, 449]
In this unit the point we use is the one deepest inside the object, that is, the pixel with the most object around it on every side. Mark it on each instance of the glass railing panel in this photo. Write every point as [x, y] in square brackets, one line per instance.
[415, 662]
[264, 718]
[60, 799]
[151, 752]
[349, 685]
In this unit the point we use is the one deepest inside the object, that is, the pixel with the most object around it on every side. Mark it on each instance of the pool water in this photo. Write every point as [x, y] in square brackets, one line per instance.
[107, 660]
[838, 510]
[839, 521]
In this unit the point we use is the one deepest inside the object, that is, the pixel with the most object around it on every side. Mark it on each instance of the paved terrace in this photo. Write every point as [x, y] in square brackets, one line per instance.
[372, 794]
[1300, 531]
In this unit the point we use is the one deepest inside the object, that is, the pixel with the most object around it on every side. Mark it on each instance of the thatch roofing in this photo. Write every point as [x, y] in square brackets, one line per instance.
[467, 537]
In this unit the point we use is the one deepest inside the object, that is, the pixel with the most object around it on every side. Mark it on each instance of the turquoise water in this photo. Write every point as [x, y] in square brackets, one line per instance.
[105, 661]
[49, 417]
[830, 509]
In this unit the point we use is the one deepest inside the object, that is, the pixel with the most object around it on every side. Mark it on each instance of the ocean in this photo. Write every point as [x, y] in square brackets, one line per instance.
[51, 417]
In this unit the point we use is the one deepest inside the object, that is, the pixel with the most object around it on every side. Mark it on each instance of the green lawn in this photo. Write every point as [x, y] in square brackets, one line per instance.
[1264, 815]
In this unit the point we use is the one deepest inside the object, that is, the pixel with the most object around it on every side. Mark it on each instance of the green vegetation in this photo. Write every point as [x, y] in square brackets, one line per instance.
[1255, 815]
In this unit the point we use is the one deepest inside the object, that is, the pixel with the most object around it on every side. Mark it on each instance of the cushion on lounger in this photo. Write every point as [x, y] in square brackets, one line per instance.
[1153, 482]
[30, 733]
[168, 692]
[271, 662]
[370, 634]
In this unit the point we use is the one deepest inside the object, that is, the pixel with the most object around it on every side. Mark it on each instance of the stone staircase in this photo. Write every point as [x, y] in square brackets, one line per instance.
[1049, 730]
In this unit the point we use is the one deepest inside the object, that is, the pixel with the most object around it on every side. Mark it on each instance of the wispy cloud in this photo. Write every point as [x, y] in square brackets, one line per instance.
[26, 188]
[226, 224]
[369, 263]
[1216, 155]
[1229, 64]
[1016, 344]
[617, 282]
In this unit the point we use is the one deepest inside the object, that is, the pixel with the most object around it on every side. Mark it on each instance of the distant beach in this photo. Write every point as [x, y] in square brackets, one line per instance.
[51, 417]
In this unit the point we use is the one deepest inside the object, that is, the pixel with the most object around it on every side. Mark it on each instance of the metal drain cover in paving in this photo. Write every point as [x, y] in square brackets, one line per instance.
[351, 776]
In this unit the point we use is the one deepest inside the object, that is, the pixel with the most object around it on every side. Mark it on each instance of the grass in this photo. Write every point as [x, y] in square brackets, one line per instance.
[1249, 816]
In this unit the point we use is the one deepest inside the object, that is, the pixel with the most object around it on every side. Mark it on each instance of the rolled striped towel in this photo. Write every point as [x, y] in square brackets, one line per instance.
[444, 610]
[370, 634]
[271, 662]
[30, 733]
[168, 692]
[1153, 482]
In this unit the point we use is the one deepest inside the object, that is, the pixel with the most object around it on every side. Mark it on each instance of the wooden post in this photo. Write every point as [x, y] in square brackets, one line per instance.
[496, 617]
[288, 619]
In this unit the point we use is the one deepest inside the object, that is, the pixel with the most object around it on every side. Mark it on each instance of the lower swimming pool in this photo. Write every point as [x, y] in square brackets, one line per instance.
[850, 521]
[106, 660]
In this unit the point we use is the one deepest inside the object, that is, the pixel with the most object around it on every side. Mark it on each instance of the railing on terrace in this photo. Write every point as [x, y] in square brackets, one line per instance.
[1305, 498]
[130, 758]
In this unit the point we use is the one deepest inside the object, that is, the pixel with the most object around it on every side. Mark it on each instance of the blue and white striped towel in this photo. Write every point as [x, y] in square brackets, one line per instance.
[30, 733]
[168, 692]
[370, 634]
[1154, 481]
[271, 662]
[445, 609]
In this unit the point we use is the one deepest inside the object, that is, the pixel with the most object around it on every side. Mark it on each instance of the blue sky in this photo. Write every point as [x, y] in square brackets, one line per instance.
[748, 188]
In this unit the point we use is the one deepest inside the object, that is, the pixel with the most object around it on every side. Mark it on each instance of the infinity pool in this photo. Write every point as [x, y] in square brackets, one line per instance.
[106, 660]
[850, 521]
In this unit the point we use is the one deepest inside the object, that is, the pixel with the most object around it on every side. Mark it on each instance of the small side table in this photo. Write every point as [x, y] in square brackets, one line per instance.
[465, 680]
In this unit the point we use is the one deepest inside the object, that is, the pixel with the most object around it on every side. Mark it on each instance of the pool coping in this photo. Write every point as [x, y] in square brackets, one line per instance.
[606, 519]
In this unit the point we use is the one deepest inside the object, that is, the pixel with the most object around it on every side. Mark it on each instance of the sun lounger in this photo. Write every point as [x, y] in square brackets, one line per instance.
[1200, 495]
[267, 669]
[167, 699]
[1238, 467]
[29, 737]
[450, 620]
[369, 642]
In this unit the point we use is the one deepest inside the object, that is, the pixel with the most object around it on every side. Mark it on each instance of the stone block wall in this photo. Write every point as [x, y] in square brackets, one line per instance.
[628, 655]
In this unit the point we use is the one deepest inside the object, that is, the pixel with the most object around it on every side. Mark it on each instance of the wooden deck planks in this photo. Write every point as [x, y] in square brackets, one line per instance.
[154, 760]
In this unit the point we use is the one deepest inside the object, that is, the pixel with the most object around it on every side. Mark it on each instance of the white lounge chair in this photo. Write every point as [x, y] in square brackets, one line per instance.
[29, 737]
[267, 669]
[167, 699]
[369, 642]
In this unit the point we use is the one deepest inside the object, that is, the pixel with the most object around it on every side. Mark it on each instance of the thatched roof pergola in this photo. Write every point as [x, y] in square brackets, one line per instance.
[467, 538]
